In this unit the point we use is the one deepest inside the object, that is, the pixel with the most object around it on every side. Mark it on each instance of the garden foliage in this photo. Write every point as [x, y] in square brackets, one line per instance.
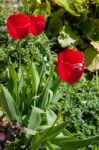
[42, 43]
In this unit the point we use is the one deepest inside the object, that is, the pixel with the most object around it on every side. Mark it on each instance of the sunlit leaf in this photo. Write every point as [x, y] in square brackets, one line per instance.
[35, 118]
[95, 45]
[66, 4]
[51, 117]
[92, 59]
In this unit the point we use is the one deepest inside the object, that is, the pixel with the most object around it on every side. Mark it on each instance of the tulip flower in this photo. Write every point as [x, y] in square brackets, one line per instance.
[70, 65]
[37, 24]
[18, 26]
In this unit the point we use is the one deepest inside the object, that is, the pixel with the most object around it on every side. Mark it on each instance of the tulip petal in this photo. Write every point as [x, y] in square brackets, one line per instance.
[18, 26]
[70, 65]
[37, 24]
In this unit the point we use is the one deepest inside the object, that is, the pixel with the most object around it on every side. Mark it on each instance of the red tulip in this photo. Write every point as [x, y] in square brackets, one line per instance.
[18, 26]
[37, 24]
[70, 65]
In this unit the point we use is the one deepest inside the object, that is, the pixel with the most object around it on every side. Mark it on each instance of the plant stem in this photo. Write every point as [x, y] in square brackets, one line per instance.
[18, 47]
[62, 105]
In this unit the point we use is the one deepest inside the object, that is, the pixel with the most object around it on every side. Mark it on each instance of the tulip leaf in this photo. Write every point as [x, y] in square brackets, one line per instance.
[43, 100]
[46, 135]
[34, 76]
[74, 144]
[35, 118]
[51, 117]
[8, 105]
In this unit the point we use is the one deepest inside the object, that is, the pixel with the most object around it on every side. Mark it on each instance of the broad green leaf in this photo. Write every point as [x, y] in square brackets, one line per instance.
[57, 93]
[55, 23]
[34, 76]
[79, 1]
[43, 101]
[74, 144]
[95, 44]
[56, 84]
[35, 118]
[53, 131]
[13, 83]
[29, 131]
[47, 134]
[54, 26]
[59, 13]
[50, 146]
[92, 59]
[51, 117]
[8, 104]
[67, 5]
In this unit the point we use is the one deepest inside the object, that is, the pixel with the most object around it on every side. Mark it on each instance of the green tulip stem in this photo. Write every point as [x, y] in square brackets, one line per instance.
[33, 48]
[18, 47]
[64, 104]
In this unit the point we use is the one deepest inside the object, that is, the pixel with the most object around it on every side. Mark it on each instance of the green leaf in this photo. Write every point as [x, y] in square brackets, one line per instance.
[95, 44]
[57, 93]
[51, 117]
[35, 118]
[13, 82]
[43, 101]
[34, 77]
[8, 104]
[54, 26]
[92, 59]
[67, 5]
[50, 145]
[47, 134]
[52, 131]
[74, 144]
[29, 131]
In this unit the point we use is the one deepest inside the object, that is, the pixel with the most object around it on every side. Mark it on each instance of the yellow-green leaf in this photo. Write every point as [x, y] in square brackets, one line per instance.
[92, 59]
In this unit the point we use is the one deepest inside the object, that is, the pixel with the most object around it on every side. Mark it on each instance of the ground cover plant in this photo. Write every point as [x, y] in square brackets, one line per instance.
[49, 75]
